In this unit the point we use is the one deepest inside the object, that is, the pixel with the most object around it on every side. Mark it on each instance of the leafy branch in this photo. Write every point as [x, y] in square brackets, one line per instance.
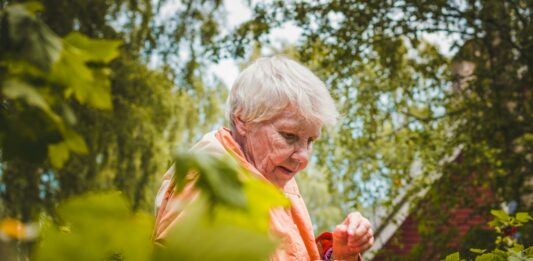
[41, 75]
[506, 226]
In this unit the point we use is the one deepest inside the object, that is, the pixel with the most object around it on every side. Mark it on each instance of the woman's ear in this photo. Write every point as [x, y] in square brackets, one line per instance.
[240, 125]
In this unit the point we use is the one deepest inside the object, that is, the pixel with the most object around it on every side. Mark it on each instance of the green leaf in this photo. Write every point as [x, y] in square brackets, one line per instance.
[500, 254]
[529, 251]
[72, 72]
[200, 236]
[477, 251]
[218, 178]
[89, 85]
[16, 89]
[72, 141]
[75, 142]
[523, 217]
[183, 165]
[222, 178]
[517, 248]
[517, 256]
[28, 38]
[261, 197]
[500, 214]
[490, 257]
[95, 50]
[243, 229]
[453, 257]
[99, 227]
[58, 154]
[33, 7]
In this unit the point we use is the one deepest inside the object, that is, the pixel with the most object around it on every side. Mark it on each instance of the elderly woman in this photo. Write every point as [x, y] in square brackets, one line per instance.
[276, 111]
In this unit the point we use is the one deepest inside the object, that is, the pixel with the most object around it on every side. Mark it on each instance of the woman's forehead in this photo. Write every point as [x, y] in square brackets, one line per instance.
[295, 122]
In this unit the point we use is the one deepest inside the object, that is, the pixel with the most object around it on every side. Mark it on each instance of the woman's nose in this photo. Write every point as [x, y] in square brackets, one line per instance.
[301, 154]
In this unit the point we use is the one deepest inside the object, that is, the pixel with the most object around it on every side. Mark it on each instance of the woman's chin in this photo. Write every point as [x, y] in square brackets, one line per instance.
[280, 176]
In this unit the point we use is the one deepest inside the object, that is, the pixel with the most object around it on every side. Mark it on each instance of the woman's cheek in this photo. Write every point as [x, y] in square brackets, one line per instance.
[283, 153]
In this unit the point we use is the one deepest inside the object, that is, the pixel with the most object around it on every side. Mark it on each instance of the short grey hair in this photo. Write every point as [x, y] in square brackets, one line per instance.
[270, 84]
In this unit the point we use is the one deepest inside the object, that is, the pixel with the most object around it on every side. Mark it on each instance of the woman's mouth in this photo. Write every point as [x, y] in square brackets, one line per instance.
[285, 171]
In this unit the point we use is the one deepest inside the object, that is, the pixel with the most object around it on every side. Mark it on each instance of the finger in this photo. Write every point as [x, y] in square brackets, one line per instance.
[362, 240]
[361, 229]
[359, 233]
[367, 246]
[366, 237]
[359, 241]
[340, 234]
[353, 220]
[362, 248]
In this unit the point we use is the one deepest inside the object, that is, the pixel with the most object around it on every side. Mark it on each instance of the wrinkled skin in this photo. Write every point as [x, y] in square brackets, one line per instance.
[280, 148]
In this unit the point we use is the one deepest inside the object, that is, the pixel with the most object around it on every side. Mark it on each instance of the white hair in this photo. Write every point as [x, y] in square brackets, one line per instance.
[270, 84]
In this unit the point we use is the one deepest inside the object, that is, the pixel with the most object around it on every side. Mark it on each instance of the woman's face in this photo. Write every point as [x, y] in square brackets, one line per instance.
[280, 147]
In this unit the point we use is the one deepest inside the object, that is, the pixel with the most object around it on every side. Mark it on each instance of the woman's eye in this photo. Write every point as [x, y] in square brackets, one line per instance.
[289, 136]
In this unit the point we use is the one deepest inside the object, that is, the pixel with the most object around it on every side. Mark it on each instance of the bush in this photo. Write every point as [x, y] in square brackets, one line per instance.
[507, 247]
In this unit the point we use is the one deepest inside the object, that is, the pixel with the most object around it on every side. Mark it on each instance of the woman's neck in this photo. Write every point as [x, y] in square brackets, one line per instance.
[241, 141]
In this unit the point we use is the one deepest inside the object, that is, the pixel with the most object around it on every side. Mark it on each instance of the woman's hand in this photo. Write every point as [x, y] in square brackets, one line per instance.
[352, 237]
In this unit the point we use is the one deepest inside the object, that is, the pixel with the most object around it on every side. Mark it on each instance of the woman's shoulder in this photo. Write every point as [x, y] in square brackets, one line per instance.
[209, 144]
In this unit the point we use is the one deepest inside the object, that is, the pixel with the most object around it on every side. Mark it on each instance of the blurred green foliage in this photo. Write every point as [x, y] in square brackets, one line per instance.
[508, 248]
[122, 118]
[228, 226]
[65, 89]
[40, 72]
[230, 219]
[96, 227]
[224, 188]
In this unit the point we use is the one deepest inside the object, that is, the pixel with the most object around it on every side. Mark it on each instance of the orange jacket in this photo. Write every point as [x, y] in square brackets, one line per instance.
[292, 225]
